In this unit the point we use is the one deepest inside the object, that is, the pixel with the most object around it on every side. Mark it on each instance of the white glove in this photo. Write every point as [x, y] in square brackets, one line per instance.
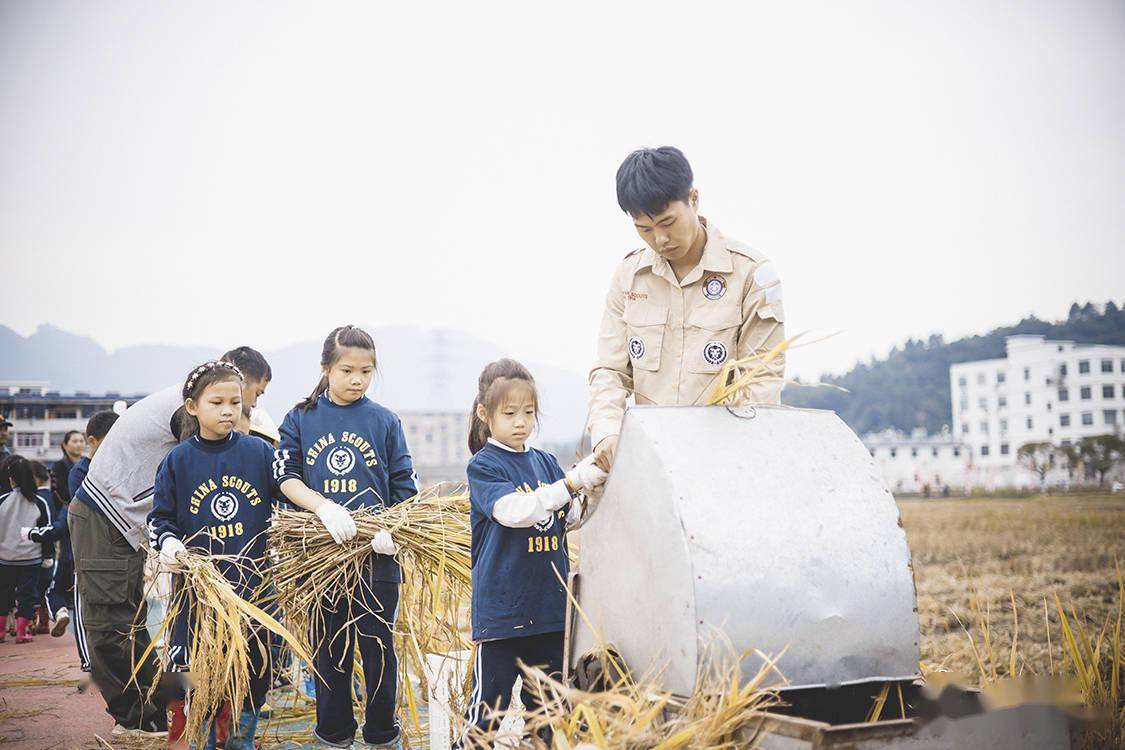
[383, 543]
[337, 520]
[47, 563]
[170, 549]
[586, 475]
[25, 531]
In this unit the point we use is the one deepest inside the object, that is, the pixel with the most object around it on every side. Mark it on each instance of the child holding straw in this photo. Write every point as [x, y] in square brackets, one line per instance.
[521, 509]
[214, 493]
[338, 448]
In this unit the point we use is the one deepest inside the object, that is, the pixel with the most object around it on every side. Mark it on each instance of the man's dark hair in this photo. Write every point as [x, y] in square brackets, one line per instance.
[253, 365]
[99, 424]
[651, 178]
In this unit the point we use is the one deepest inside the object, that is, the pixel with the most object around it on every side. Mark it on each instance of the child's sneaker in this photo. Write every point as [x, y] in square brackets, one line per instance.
[62, 619]
[322, 744]
[44, 621]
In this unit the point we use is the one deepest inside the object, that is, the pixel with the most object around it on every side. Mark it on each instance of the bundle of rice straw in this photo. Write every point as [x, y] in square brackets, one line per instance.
[626, 714]
[433, 534]
[221, 637]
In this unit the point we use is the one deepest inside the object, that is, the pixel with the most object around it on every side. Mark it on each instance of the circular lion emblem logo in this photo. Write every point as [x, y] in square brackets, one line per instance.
[224, 506]
[636, 347]
[546, 524]
[715, 352]
[340, 461]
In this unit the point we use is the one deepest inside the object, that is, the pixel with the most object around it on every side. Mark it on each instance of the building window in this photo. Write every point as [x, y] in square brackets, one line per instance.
[962, 381]
[1064, 443]
[1087, 417]
[1083, 366]
[1062, 370]
[983, 404]
[1064, 394]
[1003, 449]
[1027, 398]
[1049, 405]
[964, 404]
[980, 378]
[1110, 416]
[1001, 377]
[1107, 365]
[56, 438]
[933, 452]
[1029, 423]
[1027, 373]
[29, 439]
[1107, 391]
[1084, 393]
[964, 428]
[1064, 420]
[984, 428]
[956, 452]
[1002, 401]
[894, 452]
[1123, 365]
[1003, 426]
[984, 450]
[914, 453]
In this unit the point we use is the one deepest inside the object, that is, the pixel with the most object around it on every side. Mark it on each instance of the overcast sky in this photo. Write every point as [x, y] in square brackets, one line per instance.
[232, 172]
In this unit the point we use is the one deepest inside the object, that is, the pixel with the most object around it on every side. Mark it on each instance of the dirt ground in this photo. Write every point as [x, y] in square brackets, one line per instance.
[996, 549]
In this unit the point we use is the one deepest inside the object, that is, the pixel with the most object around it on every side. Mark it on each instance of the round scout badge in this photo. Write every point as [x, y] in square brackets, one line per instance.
[636, 347]
[714, 287]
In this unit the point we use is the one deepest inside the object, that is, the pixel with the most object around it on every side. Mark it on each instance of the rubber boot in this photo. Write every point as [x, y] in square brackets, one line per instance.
[242, 738]
[3, 628]
[177, 722]
[22, 636]
[44, 625]
[222, 726]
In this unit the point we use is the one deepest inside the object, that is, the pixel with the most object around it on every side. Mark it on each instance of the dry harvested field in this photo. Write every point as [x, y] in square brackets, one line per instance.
[1030, 549]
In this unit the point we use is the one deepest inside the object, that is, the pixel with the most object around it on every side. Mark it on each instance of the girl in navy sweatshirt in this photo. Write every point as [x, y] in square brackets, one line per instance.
[341, 450]
[521, 509]
[214, 492]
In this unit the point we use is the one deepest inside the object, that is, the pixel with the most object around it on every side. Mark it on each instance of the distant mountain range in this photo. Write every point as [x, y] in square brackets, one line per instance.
[418, 369]
[437, 369]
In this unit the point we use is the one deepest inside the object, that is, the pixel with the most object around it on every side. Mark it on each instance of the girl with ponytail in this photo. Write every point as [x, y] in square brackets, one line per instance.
[521, 510]
[341, 450]
[21, 508]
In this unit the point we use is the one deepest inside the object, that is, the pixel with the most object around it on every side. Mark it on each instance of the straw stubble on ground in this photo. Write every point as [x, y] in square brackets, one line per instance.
[1027, 548]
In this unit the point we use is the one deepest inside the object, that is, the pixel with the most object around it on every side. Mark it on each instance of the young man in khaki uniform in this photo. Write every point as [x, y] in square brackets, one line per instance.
[681, 307]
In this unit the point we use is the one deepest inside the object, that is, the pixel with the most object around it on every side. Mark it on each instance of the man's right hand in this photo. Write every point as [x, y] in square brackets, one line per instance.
[337, 520]
[605, 451]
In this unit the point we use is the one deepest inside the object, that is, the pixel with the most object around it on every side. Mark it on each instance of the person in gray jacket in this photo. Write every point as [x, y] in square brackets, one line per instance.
[109, 536]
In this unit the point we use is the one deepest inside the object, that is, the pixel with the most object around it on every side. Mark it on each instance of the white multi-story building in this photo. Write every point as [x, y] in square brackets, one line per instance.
[919, 462]
[438, 442]
[1043, 391]
[41, 417]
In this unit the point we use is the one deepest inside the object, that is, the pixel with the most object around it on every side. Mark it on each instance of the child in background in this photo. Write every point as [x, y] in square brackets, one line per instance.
[214, 492]
[339, 448]
[21, 560]
[44, 487]
[521, 510]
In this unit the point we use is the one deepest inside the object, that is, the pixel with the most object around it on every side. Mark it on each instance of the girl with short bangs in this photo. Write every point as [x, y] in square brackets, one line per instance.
[521, 510]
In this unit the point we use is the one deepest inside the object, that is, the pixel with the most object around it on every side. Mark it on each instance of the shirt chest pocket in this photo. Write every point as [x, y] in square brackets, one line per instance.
[711, 337]
[644, 334]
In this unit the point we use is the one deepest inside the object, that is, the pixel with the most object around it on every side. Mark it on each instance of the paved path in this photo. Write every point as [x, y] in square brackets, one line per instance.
[53, 715]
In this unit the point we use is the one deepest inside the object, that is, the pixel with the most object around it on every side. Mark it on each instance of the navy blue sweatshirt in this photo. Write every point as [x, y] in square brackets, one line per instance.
[217, 495]
[516, 591]
[59, 531]
[354, 455]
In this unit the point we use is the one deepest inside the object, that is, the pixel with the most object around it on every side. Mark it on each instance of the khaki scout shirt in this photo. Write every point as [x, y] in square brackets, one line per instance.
[664, 341]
